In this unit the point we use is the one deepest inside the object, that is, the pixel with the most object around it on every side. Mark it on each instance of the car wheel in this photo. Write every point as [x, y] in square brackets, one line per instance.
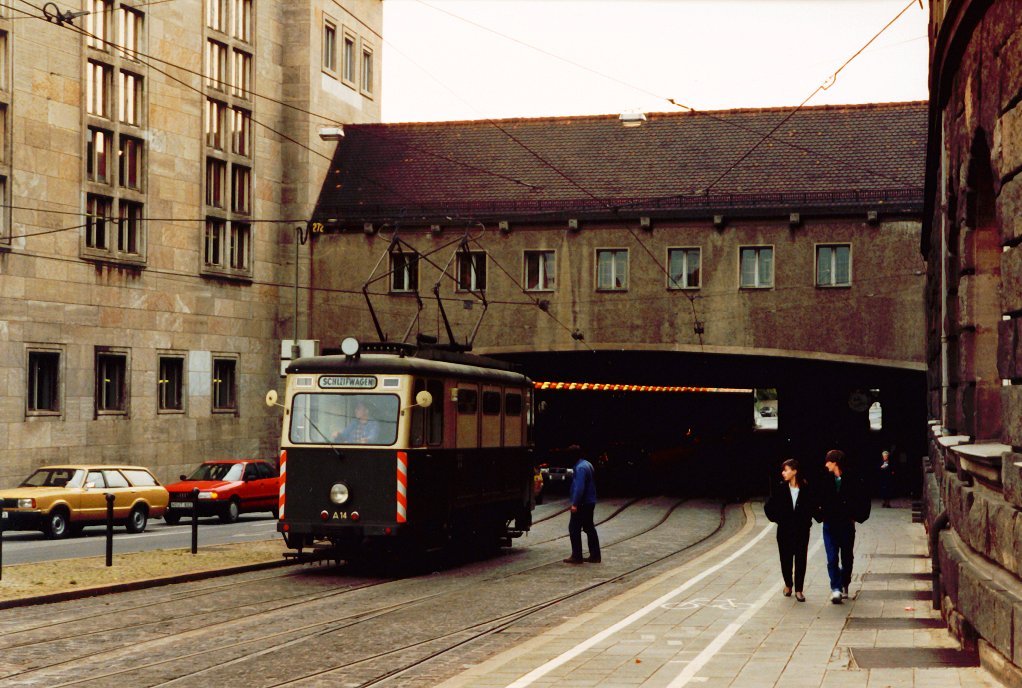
[231, 512]
[137, 519]
[171, 517]
[57, 524]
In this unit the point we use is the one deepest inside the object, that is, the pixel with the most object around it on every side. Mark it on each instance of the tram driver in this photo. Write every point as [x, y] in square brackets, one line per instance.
[361, 429]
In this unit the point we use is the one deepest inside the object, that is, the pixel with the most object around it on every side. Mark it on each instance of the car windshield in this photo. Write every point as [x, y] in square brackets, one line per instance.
[218, 471]
[55, 477]
[344, 419]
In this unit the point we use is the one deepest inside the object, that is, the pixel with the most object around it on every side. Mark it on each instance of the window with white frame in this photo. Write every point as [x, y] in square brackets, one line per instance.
[111, 381]
[329, 46]
[115, 117]
[683, 267]
[612, 269]
[97, 22]
[230, 178]
[97, 88]
[129, 32]
[366, 82]
[43, 395]
[241, 20]
[348, 58]
[756, 266]
[404, 271]
[834, 265]
[225, 390]
[170, 384]
[471, 271]
[540, 271]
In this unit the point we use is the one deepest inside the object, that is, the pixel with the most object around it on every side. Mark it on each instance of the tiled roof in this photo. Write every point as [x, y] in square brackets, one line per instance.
[854, 154]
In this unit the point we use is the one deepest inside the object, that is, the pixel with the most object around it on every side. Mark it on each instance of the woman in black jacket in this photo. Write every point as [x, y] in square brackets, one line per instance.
[791, 507]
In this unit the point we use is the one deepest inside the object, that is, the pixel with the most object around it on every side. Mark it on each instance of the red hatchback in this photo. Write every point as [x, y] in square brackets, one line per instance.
[227, 488]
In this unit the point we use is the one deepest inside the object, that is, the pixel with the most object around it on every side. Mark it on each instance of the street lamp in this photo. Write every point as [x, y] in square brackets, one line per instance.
[331, 133]
[61, 18]
[301, 236]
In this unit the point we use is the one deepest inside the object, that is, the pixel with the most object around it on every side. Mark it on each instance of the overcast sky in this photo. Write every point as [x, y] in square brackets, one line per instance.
[632, 55]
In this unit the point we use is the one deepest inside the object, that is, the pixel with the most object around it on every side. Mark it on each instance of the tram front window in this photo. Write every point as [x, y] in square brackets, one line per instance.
[344, 419]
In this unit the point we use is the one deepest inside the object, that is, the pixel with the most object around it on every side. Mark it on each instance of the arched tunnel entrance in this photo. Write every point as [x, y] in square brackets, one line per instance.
[727, 444]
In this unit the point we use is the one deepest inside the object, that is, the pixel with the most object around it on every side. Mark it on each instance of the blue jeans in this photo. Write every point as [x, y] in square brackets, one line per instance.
[839, 540]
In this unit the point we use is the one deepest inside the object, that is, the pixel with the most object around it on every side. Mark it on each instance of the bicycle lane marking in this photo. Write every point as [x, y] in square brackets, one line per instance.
[700, 660]
[567, 656]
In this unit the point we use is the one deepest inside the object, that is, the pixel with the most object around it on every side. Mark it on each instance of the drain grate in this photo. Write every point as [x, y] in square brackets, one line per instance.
[887, 623]
[912, 658]
[894, 595]
[897, 576]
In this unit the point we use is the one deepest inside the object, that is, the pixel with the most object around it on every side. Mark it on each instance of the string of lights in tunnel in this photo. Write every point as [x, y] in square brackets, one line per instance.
[613, 387]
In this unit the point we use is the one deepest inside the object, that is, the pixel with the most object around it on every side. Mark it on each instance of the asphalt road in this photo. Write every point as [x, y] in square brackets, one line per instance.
[24, 547]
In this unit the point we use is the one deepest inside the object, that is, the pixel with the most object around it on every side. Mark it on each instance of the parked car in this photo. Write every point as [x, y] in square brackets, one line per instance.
[227, 489]
[60, 500]
[557, 477]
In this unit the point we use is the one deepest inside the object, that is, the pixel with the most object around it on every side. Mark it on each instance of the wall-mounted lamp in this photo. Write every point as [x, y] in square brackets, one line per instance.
[368, 228]
[504, 226]
[573, 225]
[435, 229]
[646, 223]
[872, 217]
[66, 17]
[331, 133]
[718, 221]
[794, 219]
[632, 119]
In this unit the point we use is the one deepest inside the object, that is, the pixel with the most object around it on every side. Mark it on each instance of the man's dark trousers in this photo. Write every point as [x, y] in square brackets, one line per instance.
[582, 519]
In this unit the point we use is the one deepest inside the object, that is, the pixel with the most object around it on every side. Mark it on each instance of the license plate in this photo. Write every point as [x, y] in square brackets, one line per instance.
[180, 505]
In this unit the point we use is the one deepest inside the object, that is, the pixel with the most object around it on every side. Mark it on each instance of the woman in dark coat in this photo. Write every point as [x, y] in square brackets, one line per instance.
[790, 506]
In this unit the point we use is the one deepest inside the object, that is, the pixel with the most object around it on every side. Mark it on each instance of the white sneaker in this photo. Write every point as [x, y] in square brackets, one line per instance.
[844, 593]
[835, 596]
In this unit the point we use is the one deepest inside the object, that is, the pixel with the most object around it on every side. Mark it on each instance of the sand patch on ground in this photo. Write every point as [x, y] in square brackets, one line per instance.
[30, 580]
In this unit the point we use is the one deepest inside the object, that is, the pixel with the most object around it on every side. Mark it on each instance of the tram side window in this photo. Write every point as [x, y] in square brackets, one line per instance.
[468, 400]
[491, 403]
[513, 404]
[428, 423]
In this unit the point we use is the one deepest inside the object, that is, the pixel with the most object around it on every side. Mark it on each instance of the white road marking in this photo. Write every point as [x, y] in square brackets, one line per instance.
[689, 673]
[544, 669]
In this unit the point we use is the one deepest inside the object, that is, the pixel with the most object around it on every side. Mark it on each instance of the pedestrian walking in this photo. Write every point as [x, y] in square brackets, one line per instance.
[843, 501]
[886, 478]
[583, 504]
[791, 507]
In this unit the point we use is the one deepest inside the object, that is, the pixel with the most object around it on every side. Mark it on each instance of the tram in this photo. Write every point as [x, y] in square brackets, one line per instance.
[405, 448]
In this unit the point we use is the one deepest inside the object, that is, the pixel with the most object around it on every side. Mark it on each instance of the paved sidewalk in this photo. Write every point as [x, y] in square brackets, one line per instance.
[721, 621]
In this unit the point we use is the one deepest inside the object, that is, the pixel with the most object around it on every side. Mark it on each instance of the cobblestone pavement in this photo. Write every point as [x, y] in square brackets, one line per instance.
[322, 626]
[721, 621]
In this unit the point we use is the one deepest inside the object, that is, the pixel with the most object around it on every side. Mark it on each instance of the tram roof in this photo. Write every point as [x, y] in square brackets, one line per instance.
[471, 367]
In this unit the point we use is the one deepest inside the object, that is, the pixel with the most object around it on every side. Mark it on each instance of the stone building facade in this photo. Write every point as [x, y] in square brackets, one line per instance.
[972, 231]
[156, 159]
[795, 267]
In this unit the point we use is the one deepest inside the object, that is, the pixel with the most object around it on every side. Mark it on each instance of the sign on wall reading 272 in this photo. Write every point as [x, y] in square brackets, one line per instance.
[347, 382]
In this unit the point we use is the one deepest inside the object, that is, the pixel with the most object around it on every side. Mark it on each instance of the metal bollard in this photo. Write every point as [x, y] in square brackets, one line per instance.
[195, 520]
[109, 529]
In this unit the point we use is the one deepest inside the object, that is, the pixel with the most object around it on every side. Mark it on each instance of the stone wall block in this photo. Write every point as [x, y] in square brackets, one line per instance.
[1011, 415]
[1009, 60]
[975, 508]
[1009, 210]
[1011, 482]
[1008, 134]
[1011, 280]
[950, 568]
[1001, 519]
[1006, 345]
[987, 607]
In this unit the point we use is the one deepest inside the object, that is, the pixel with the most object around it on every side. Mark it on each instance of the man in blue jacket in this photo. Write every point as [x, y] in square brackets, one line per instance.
[583, 504]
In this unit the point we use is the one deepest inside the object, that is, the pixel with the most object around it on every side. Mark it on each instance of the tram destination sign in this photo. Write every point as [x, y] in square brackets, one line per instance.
[347, 382]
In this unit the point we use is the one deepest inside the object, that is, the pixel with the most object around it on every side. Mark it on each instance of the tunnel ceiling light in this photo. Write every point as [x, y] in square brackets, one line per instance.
[612, 387]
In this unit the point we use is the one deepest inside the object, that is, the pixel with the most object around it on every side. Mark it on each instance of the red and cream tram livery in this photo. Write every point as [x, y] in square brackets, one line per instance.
[405, 447]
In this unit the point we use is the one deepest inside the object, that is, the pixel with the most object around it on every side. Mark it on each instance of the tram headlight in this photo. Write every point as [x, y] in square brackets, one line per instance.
[339, 493]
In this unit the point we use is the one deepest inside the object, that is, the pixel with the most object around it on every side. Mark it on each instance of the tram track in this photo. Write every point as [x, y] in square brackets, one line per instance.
[323, 628]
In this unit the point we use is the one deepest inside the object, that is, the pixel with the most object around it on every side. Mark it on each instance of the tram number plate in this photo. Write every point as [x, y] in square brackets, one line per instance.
[5, 514]
[180, 505]
[347, 382]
